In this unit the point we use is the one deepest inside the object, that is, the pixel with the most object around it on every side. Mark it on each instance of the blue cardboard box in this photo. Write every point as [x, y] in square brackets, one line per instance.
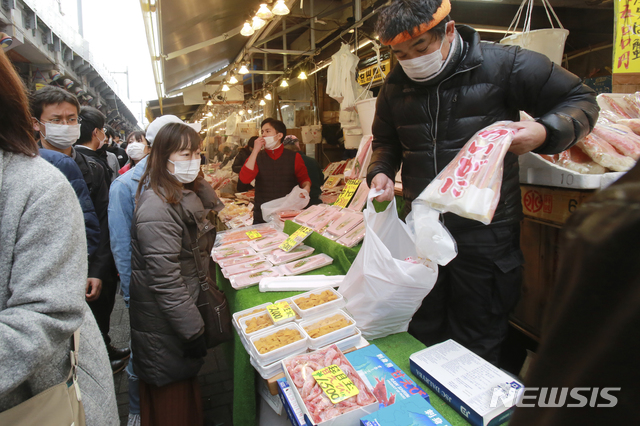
[290, 403]
[388, 382]
[413, 411]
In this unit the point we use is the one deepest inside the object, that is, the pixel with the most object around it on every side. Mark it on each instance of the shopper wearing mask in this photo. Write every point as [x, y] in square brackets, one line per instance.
[93, 139]
[447, 87]
[166, 326]
[137, 148]
[114, 146]
[239, 161]
[276, 170]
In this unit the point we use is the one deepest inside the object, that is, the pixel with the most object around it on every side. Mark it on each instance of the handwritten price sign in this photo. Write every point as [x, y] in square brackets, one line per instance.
[280, 311]
[295, 239]
[335, 384]
[347, 193]
[253, 235]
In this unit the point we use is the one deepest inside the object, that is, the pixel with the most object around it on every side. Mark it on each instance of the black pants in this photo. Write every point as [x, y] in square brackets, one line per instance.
[475, 292]
[103, 307]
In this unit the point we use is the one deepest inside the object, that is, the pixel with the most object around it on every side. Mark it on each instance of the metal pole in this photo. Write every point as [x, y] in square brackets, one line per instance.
[128, 95]
[312, 32]
[80, 27]
[284, 42]
[253, 87]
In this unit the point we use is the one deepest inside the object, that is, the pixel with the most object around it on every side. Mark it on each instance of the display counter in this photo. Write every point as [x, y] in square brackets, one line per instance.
[398, 346]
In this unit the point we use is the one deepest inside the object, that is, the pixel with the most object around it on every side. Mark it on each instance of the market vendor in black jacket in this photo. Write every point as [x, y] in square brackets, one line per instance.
[449, 86]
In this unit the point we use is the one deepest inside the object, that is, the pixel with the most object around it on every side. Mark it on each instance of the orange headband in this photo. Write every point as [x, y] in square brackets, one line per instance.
[441, 13]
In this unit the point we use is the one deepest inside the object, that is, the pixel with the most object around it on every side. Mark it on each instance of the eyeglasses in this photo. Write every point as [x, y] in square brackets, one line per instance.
[69, 121]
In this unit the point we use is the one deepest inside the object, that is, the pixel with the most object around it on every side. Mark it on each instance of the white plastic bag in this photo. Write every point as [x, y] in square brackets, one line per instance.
[470, 184]
[382, 289]
[293, 201]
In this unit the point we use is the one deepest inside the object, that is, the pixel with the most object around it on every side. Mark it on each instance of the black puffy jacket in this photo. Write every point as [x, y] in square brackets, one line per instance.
[423, 125]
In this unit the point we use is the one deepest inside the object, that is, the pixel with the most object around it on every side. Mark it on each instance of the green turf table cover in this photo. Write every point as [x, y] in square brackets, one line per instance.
[398, 347]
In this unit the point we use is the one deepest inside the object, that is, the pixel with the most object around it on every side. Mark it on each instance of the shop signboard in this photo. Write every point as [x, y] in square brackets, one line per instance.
[373, 73]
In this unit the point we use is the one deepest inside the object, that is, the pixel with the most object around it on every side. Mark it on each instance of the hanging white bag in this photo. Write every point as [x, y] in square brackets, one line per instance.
[292, 201]
[386, 283]
[549, 41]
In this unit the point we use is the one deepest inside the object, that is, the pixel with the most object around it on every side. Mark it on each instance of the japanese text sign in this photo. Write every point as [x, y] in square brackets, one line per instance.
[347, 193]
[335, 384]
[280, 311]
[295, 239]
[626, 48]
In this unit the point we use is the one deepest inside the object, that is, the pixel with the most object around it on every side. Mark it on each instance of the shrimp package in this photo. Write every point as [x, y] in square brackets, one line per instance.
[328, 389]
[469, 185]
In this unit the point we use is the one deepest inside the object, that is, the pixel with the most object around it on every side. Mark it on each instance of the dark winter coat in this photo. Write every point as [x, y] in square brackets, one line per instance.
[422, 126]
[164, 282]
[238, 162]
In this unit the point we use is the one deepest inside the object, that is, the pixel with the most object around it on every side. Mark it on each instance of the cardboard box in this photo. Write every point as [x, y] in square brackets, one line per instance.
[387, 381]
[468, 383]
[411, 411]
[553, 205]
[290, 404]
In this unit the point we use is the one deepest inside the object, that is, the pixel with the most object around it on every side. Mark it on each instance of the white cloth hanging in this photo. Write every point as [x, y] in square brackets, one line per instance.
[341, 77]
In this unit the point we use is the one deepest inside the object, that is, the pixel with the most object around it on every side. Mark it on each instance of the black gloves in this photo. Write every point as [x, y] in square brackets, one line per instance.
[195, 349]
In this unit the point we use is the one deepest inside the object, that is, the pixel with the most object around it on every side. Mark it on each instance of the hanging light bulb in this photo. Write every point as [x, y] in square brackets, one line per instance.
[257, 23]
[302, 76]
[264, 12]
[209, 114]
[209, 103]
[241, 112]
[249, 111]
[243, 69]
[246, 30]
[225, 88]
[233, 79]
[284, 83]
[280, 8]
[268, 96]
[262, 102]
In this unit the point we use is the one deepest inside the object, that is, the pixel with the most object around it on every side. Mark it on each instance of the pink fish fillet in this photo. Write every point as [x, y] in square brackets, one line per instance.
[575, 159]
[632, 123]
[615, 106]
[620, 139]
[604, 154]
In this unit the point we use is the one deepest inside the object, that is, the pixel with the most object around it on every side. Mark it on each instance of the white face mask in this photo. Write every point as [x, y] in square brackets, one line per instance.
[425, 66]
[186, 171]
[271, 142]
[135, 151]
[62, 136]
[101, 144]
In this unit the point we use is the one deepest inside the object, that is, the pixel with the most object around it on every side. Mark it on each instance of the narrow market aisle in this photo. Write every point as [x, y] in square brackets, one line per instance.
[215, 376]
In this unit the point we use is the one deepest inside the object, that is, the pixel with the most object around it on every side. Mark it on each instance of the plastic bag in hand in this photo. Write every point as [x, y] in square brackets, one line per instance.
[469, 185]
[385, 285]
[293, 201]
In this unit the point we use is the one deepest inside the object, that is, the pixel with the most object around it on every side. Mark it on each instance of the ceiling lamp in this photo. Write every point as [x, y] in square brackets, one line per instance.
[280, 8]
[209, 114]
[225, 88]
[268, 96]
[262, 102]
[246, 30]
[265, 13]
[233, 79]
[243, 69]
[249, 111]
[241, 112]
[302, 76]
[257, 23]
[284, 83]
[209, 103]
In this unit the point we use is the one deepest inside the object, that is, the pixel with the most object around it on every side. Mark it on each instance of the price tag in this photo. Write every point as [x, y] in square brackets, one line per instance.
[335, 384]
[347, 193]
[331, 182]
[295, 239]
[253, 234]
[280, 311]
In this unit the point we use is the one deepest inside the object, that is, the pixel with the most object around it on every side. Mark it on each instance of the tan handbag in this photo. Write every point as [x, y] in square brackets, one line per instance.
[60, 405]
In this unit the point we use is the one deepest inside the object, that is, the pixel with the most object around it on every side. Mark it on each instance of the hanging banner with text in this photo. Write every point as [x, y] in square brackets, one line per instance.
[373, 73]
[626, 48]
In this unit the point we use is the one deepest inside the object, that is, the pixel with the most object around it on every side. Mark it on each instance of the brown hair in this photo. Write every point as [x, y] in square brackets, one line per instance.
[172, 137]
[15, 120]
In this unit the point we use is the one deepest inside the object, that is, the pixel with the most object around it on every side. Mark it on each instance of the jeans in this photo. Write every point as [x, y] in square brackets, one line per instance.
[134, 387]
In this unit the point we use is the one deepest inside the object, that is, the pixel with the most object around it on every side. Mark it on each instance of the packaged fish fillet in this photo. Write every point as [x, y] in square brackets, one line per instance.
[360, 197]
[344, 224]
[225, 263]
[230, 247]
[321, 220]
[257, 266]
[252, 278]
[309, 213]
[354, 236]
[307, 264]
[240, 234]
[232, 253]
[269, 243]
[279, 256]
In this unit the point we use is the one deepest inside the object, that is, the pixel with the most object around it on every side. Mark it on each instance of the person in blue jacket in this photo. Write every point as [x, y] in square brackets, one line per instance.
[72, 172]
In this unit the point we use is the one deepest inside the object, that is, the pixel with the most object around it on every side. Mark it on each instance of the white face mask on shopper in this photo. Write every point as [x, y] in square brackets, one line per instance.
[135, 151]
[62, 136]
[425, 66]
[270, 142]
[185, 171]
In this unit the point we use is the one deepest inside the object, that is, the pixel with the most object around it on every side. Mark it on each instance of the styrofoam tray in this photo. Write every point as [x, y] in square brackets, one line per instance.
[266, 371]
[249, 311]
[354, 341]
[334, 336]
[300, 283]
[535, 170]
[297, 347]
[318, 310]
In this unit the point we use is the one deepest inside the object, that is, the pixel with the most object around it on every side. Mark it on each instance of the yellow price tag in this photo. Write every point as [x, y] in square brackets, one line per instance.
[253, 234]
[295, 239]
[280, 311]
[331, 182]
[335, 384]
[347, 193]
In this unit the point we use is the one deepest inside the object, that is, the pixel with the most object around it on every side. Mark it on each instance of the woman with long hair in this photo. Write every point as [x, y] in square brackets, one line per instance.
[166, 326]
[43, 272]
